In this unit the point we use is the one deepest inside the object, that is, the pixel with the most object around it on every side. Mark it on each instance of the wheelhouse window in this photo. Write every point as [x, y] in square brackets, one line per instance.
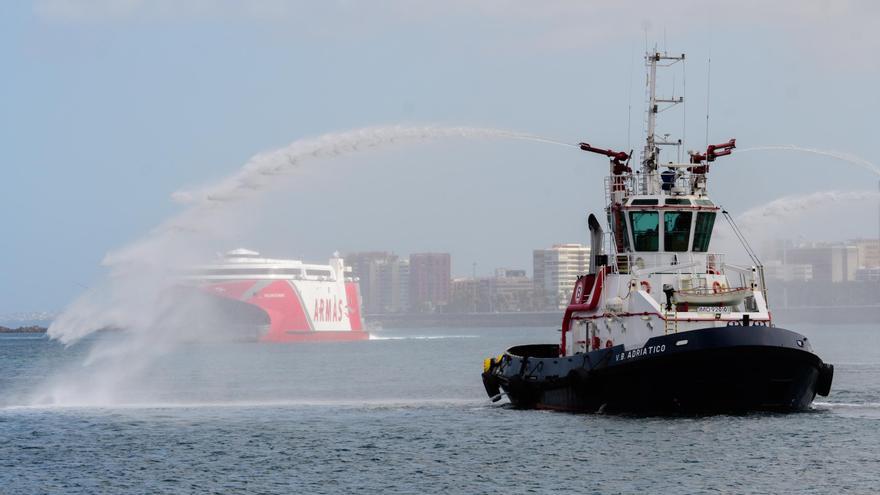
[677, 231]
[645, 224]
[703, 231]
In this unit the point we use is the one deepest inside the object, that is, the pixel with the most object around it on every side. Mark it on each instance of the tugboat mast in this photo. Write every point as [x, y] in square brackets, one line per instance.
[651, 153]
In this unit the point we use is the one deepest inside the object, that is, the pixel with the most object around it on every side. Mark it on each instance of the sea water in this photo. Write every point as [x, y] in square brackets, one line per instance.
[404, 412]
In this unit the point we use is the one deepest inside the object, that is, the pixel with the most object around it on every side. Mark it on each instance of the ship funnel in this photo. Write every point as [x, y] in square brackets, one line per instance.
[597, 255]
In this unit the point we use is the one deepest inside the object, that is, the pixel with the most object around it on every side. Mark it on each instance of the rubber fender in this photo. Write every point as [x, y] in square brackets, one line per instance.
[826, 375]
[493, 389]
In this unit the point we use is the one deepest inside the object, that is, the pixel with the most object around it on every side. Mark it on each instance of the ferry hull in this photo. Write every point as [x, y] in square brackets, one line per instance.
[341, 336]
[713, 370]
[295, 314]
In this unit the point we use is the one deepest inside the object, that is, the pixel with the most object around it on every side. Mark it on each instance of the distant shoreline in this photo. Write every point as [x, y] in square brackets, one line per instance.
[821, 315]
[26, 329]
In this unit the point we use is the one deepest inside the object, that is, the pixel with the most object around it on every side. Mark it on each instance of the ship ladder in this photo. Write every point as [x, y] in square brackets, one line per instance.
[622, 263]
[670, 320]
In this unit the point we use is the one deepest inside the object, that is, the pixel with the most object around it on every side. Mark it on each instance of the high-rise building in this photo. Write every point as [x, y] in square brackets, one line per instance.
[429, 279]
[830, 262]
[511, 290]
[383, 279]
[508, 291]
[775, 270]
[555, 272]
[394, 285]
[869, 252]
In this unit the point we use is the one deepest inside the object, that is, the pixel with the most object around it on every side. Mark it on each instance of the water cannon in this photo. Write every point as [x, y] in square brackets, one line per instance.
[620, 159]
[669, 292]
[713, 151]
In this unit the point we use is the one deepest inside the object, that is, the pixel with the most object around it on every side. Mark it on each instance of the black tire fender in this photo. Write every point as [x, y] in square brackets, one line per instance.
[826, 376]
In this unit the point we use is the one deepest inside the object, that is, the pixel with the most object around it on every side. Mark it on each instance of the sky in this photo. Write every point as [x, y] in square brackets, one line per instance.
[107, 108]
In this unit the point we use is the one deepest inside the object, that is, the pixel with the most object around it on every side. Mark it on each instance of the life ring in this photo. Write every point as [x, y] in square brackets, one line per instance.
[646, 286]
[716, 287]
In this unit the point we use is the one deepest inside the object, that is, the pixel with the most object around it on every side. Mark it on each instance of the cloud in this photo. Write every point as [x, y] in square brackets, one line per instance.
[837, 32]
[98, 11]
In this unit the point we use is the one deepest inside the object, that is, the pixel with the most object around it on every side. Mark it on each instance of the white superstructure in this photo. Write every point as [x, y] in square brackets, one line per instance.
[658, 275]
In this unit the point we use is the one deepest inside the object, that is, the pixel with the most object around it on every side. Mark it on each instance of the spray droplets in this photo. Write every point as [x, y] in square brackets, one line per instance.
[847, 157]
[143, 270]
[256, 175]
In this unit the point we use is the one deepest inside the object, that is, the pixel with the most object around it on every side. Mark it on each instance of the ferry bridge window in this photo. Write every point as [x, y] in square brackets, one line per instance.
[703, 231]
[644, 228]
[677, 230]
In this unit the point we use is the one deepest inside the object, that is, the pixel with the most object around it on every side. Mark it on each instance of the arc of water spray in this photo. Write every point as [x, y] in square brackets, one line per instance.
[779, 209]
[846, 157]
[254, 175]
[140, 271]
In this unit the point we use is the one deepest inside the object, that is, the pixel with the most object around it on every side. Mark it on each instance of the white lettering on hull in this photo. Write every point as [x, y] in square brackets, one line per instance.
[326, 305]
[642, 351]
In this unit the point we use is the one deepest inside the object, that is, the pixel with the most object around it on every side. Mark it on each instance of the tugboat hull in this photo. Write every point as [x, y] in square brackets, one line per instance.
[712, 370]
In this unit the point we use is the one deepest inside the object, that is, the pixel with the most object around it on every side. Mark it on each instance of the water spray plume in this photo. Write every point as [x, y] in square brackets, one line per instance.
[779, 210]
[137, 295]
[846, 157]
[258, 173]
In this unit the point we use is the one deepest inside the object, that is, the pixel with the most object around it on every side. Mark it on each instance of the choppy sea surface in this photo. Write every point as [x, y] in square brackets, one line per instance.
[402, 413]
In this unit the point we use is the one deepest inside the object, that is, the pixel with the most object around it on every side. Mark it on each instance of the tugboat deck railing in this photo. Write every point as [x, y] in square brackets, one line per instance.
[625, 185]
[695, 267]
[665, 262]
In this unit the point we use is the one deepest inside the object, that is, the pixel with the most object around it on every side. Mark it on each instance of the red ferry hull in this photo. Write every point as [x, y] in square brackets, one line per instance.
[344, 336]
[333, 313]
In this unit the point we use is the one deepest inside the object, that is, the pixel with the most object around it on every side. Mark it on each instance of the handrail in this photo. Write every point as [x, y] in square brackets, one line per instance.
[737, 268]
[595, 294]
[660, 269]
[659, 261]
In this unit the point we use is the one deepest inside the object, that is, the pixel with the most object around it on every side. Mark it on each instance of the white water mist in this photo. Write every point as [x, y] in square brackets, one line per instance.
[771, 215]
[134, 297]
[838, 155]
[768, 221]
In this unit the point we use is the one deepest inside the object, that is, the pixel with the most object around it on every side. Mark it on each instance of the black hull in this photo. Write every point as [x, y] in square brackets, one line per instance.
[713, 370]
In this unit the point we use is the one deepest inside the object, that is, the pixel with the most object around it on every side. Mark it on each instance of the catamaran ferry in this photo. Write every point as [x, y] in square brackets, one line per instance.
[298, 302]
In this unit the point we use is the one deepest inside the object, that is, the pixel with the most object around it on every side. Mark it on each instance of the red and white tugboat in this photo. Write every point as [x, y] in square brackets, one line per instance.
[660, 323]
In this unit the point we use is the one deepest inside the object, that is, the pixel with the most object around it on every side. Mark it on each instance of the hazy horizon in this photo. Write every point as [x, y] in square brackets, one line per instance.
[109, 108]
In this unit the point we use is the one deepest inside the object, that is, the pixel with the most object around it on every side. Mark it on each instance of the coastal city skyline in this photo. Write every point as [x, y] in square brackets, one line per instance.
[384, 278]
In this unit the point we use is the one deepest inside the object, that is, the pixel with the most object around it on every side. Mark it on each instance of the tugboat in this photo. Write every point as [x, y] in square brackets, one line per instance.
[660, 324]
